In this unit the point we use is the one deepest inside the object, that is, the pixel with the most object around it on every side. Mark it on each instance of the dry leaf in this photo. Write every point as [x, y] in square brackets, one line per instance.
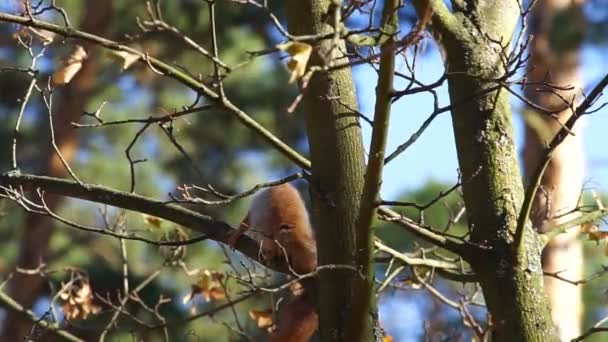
[589, 227]
[300, 54]
[78, 300]
[296, 289]
[127, 58]
[262, 317]
[173, 253]
[70, 67]
[152, 220]
[414, 284]
[597, 236]
[209, 286]
[593, 232]
[45, 37]
[387, 338]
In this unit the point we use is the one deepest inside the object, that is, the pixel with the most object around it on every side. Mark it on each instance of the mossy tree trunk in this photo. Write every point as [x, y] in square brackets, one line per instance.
[505, 251]
[558, 29]
[337, 158]
[475, 40]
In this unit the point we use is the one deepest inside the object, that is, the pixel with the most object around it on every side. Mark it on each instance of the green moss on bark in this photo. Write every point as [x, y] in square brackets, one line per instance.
[338, 163]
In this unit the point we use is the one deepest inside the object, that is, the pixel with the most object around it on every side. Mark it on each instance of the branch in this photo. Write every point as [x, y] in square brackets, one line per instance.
[207, 313]
[9, 303]
[424, 233]
[442, 20]
[421, 207]
[561, 135]
[373, 174]
[362, 304]
[216, 230]
[45, 210]
[166, 70]
[596, 328]
[590, 332]
[577, 282]
[580, 220]
[194, 84]
[433, 263]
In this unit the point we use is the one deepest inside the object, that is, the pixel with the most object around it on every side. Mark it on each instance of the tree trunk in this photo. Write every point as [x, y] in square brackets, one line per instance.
[38, 229]
[557, 62]
[337, 158]
[474, 40]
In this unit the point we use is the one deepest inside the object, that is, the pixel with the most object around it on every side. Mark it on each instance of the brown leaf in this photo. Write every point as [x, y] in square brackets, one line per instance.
[588, 227]
[127, 58]
[70, 67]
[296, 289]
[597, 235]
[262, 317]
[78, 300]
[209, 286]
[593, 232]
[413, 283]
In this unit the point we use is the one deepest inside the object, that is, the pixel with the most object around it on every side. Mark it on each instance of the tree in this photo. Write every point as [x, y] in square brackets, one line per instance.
[38, 229]
[499, 249]
[554, 59]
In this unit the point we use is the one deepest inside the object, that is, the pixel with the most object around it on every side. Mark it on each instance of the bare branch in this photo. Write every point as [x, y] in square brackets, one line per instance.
[214, 229]
[7, 302]
[561, 135]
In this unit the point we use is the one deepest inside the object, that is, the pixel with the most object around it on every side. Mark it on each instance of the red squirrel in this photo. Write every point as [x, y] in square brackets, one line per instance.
[279, 216]
[297, 321]
[279, 219]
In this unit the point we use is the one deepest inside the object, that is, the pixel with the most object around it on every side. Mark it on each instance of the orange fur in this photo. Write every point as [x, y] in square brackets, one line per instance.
[297, 321]
[279, 220]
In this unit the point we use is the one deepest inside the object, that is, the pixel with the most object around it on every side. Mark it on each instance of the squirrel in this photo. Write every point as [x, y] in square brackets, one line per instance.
[279, 215]
[297, 320]
[279, 219]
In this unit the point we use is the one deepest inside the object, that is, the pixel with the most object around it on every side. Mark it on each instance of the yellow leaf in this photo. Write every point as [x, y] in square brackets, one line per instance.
[152, 220]
[300, 54]
[70, 67]
[387, 338]
[262, 317]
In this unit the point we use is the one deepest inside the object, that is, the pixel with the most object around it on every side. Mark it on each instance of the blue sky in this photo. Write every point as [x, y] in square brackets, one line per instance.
[433, 156]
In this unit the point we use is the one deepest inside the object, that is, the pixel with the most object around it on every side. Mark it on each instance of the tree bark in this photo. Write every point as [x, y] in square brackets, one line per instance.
[474, 40]
[557, 62]
[38, 229]
[337, 157]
